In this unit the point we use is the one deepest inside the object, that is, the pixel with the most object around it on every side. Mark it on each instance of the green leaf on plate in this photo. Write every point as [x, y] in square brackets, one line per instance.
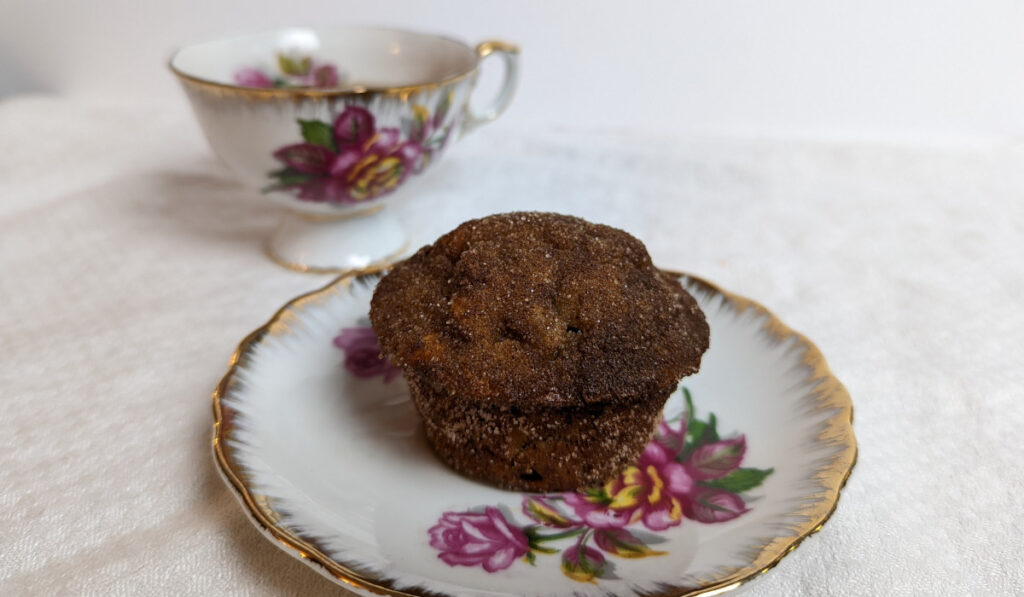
[543, 512]
[597, 495]
[622, 543]
[740, 480]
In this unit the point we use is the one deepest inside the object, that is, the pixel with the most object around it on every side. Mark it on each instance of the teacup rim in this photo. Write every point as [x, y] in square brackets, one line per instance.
[298, 93]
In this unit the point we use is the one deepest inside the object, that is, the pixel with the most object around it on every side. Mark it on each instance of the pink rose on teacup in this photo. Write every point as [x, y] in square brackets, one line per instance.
[347, 162]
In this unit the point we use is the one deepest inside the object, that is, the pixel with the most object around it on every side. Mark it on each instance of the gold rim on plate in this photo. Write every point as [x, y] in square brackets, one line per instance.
[831, 395]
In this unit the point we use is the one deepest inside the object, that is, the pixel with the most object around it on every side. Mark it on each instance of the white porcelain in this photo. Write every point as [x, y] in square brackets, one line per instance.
[372, 242]
[330, 122]
[319, 440]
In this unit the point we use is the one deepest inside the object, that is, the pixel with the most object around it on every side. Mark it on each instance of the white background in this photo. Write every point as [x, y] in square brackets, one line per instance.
[919, 70]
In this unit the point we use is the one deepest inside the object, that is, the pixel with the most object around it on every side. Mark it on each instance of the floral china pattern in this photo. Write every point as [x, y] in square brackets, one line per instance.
[294, 71]
[687, 472]
[352, 159]
[362, 354]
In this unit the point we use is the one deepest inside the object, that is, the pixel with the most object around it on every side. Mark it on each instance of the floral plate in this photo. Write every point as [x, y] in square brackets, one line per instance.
[319, 440]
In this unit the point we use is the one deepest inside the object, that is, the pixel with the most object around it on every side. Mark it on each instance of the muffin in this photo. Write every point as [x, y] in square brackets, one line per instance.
[539, 348]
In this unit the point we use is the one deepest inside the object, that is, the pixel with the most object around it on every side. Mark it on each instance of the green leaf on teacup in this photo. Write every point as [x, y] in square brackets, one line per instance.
[294, 66]
[290, 177]
[318, 133]
[286, 178]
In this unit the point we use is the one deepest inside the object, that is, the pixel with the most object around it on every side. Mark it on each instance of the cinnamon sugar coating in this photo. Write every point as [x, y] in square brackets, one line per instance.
[540, 348]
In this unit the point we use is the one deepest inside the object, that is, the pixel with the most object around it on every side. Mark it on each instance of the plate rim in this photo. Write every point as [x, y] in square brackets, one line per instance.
[832, 394]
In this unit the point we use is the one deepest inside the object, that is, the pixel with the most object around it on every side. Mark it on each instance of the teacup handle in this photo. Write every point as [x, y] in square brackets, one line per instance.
[510, 53]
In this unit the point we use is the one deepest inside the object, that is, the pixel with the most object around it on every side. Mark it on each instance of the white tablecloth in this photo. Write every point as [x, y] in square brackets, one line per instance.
[131, 265]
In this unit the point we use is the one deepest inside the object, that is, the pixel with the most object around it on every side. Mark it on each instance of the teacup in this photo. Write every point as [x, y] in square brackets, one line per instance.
[332, 123]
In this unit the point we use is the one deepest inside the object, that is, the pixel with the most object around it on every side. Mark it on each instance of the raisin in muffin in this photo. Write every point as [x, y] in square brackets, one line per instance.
[539, 348]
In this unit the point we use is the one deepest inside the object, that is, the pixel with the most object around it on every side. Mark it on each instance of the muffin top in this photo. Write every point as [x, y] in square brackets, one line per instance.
[538, 309]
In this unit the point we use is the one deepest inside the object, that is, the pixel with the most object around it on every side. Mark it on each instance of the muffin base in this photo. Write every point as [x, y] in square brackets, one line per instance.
[559, 448]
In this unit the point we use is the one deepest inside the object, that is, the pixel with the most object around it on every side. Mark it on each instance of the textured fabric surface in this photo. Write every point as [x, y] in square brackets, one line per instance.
[131, 265]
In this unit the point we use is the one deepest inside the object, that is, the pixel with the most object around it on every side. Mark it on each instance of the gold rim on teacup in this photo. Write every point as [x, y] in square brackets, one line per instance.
[481, 51]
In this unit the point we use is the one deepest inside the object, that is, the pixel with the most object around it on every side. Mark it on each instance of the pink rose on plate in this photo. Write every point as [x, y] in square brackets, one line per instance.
[716, 459]
[714, 505]
[478, 539]
[662, 487]
[686, 472]
[653, 491]
[362, 354]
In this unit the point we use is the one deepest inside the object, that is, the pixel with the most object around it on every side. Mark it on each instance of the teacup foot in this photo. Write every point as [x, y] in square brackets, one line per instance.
[362, 242]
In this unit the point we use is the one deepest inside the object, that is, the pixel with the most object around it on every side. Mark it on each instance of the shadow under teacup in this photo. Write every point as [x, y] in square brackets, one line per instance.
[332, 123]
